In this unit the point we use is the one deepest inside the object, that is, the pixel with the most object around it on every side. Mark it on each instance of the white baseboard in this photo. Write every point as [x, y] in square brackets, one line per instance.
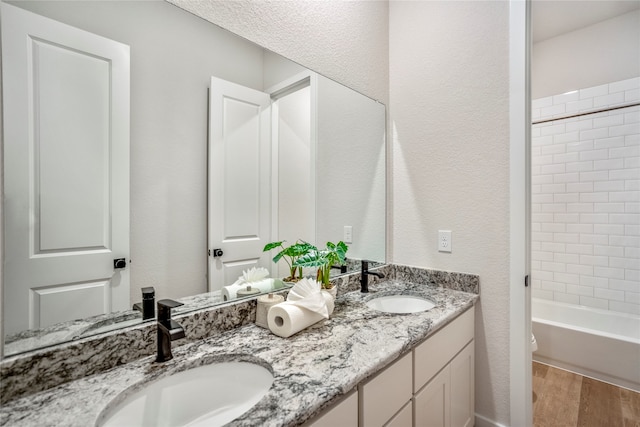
[486, 422]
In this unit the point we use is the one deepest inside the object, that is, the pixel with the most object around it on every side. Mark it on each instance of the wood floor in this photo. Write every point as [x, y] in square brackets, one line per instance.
[563, 399]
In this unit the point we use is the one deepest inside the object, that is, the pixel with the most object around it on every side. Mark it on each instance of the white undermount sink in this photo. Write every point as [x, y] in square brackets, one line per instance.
[400, 304]
[210, 395]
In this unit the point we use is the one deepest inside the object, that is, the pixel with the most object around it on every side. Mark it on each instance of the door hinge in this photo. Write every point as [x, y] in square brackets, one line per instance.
[526, 281]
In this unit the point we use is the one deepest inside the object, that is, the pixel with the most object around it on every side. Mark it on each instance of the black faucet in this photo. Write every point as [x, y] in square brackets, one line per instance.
[147, 306]
[168, 330]
[342, 268]
[364, 276]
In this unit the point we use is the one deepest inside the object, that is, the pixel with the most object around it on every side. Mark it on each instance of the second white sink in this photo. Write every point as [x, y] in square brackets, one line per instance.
[400, 304]
[210, 395]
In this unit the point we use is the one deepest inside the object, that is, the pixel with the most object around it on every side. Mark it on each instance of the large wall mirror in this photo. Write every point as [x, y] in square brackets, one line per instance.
[318, 174]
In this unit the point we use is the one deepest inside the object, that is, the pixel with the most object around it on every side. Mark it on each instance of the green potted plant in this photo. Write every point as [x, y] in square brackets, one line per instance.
[290, 255]
[323, 260]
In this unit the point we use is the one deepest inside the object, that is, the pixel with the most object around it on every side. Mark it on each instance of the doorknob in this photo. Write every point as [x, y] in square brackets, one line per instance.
[216, 253]
[119, 263]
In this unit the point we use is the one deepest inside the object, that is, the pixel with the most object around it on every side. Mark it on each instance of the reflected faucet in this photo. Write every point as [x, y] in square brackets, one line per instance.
[364, 276]
[147, 306]
[168, 329]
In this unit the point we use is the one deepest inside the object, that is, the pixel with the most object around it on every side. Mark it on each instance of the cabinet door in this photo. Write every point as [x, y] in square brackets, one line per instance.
[432, 404]
[404, 418]
[387, 393]
[344, 414]
[462, 388]
[440, 348]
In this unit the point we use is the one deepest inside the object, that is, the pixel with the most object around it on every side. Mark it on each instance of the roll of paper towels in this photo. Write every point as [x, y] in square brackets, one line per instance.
[286, 319]
[265, 285]
[231, 292]
[265, 302]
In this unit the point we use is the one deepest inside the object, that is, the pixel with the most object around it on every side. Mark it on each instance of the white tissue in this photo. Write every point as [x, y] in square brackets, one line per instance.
[306, 294]
[305, 305]
[254, 274]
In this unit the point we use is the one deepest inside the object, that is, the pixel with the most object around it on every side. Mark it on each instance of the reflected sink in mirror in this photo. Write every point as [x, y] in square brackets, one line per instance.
[209, 395]
[400, 304]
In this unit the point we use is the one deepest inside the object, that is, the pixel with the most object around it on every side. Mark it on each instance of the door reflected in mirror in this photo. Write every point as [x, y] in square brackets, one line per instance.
[320, 172]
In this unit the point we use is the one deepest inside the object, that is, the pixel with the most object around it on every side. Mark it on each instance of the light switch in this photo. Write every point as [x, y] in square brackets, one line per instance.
[444, 240]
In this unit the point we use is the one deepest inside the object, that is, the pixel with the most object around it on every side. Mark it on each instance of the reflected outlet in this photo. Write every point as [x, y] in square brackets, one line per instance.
[348, 234]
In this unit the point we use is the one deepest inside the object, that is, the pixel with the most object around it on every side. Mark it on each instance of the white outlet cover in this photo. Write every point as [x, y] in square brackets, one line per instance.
[348, 234]
[444, 241]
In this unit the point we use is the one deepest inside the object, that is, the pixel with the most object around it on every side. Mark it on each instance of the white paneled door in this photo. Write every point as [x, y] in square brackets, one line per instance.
[239, 181]
[66, 165]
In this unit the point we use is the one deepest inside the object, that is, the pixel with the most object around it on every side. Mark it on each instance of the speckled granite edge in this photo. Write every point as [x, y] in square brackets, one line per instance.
[465, 282]
[39, 370]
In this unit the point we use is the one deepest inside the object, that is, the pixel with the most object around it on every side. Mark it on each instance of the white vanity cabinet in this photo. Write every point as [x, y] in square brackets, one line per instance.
[431, 386]
[444, 376]
[344, 414]
[387, 394]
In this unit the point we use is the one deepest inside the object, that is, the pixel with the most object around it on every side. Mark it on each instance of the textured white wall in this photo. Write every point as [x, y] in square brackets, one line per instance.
[344, 40]
[449, 89]
[606, 52]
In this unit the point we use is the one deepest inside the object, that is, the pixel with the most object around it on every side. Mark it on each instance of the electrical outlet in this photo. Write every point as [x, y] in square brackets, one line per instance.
[348, 234]
[444, 240]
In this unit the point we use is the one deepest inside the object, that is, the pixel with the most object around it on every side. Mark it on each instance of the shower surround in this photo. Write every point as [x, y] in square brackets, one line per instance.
[585, 255]
[585, 198]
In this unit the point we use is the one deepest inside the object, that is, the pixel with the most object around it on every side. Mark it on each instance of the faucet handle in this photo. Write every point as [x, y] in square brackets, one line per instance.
[148, 292]
[164, 308]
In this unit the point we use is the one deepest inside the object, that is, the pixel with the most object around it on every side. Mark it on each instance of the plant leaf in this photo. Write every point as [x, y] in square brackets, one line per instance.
[301, 248]
[311, 259]
[272, 245]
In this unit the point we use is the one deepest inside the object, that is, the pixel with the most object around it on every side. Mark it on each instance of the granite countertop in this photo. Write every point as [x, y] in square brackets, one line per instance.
[312, 369]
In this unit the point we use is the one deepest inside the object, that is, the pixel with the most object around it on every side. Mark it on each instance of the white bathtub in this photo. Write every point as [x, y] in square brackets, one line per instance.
[597, 343]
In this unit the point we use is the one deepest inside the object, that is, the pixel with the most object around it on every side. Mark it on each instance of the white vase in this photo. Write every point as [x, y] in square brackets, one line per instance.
[333, 291]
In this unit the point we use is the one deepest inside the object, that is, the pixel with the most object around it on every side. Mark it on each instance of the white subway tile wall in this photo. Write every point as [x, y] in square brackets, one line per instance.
[586, 198]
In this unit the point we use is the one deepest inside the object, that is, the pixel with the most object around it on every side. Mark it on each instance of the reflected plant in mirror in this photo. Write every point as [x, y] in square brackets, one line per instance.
[290, 256]
[324, 260]
[133, 192]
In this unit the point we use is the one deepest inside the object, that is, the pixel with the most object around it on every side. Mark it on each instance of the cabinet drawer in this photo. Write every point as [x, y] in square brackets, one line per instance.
[387, 393]
[440, 348]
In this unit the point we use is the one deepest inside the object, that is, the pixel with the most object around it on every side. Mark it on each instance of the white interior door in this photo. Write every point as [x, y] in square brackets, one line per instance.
[66, 163]
[239, 180]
